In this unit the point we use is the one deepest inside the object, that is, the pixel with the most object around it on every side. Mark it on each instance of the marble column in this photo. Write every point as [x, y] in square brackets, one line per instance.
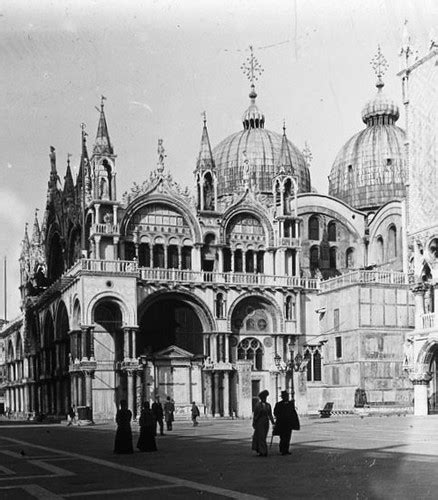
[226, 394]
[420, 395]
[89, 388]
[130, 389]
[216, 394]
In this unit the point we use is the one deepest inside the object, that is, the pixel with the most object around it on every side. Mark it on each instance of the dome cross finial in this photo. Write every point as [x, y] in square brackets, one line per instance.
[252, 69]
[379, 65]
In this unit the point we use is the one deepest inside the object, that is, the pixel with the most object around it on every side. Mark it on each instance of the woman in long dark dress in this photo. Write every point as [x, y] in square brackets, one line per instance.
[260, 423]
[146, 441]
[123, 441]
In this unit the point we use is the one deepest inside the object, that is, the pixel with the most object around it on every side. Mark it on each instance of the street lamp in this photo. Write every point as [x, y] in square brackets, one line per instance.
[293, 364]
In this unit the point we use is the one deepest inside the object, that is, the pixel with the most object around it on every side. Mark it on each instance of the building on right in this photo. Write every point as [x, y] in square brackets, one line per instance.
[420, 96]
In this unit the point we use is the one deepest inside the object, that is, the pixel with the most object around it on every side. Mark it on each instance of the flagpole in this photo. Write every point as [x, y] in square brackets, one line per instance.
[5, 289]
[84, 250]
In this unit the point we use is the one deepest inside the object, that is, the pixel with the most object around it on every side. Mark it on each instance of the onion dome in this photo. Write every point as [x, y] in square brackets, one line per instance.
[259, 148]
[370, 169]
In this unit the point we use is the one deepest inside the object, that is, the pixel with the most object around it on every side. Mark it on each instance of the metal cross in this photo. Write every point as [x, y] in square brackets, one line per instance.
[251, 68]
[379, 63]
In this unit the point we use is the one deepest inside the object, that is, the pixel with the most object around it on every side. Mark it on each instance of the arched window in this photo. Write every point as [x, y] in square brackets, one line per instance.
[308, 359]
[313, 228]
[349, 258]
[314, 257]
[220, 305]
[208, 187]
[251, 349]
[333, 258]
[392, 242]
[290, 306]
[331, 229]
[316, 366]
[380, 250]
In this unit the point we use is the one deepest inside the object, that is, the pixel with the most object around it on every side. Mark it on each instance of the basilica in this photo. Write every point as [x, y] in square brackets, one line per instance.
[251, 280]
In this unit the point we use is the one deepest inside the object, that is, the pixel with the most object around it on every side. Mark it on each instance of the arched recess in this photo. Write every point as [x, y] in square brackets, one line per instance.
[55, 259]
[19, 348]
[208, 192]
[173, 318]
[256, 214]
[128, 312]
[392, 242]
[62, 322]
[11, 351]
[254, 314]
[76, 318]
[108, 335]
[245, 228]
[48, 333]
[74, 246]
[143, 212]
[313, 228]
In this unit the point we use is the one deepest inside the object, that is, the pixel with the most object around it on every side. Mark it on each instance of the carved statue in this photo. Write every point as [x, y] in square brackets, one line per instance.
[408, 353]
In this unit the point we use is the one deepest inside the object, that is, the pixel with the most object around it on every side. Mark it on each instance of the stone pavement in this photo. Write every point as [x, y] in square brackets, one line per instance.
[392, 457]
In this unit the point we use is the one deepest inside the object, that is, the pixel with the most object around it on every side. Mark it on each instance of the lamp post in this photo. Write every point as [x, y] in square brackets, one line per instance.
[293, 364]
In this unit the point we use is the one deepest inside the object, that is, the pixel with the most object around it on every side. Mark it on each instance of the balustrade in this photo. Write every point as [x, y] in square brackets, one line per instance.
[379, 277]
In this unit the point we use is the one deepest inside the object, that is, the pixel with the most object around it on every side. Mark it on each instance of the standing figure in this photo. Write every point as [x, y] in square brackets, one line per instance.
[169, 409]
[260, 423]
[157, 411]
[195, 414]
[286, 419]
[146, 441]
[71, 416]
[123, 441]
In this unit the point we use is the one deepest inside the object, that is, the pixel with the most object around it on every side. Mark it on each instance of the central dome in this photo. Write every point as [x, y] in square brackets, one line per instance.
[262, 150]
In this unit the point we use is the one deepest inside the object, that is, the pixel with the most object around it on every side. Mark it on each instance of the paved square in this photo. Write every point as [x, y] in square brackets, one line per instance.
[349, 457]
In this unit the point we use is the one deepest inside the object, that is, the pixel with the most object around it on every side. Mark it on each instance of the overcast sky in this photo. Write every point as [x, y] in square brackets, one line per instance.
[161, 64]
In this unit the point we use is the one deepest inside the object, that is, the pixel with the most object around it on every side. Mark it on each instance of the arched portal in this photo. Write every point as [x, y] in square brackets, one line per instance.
[254, 314]
[433, 384]
[171, 319]
[109, 383]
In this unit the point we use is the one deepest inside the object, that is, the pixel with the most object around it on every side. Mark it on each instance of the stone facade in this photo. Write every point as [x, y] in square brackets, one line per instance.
[210, 298]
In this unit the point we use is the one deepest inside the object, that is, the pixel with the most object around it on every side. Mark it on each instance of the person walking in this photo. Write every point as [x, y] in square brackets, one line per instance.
[157, 411]
[123, 441]
[71, 416]
[169, 410]
[286, 420]
[195, 414]
[146, 440]
[260, 423]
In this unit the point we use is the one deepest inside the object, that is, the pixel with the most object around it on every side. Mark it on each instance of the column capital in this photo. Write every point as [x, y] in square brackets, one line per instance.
[420, 378]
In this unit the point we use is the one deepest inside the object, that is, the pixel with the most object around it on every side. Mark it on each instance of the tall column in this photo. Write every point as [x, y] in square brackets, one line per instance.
[79, 389]
[116, 247]
[419, 305]
[196, 261]
[74, 389]
[130, 387]
[84, 338]
[166, 256]
[220, 260]
[179, 257]
[254, 257]
[226, 393]
[97, 246]
[213, 348]
[216, 393]
[126, 339]
[244, 252]
[232, 260]
[201, 189]
[138, 392]
[227, 348]
[89, 391]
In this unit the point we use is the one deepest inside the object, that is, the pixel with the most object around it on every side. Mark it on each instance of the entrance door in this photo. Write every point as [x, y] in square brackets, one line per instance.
[255, 391]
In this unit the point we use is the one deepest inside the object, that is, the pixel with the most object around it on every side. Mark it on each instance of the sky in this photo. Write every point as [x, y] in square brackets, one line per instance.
[160, 64]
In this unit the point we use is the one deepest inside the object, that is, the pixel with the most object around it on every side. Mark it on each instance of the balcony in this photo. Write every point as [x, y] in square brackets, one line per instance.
[290, 242]
[239, 279]
[367, 277]
[92, 266]
[105, 229]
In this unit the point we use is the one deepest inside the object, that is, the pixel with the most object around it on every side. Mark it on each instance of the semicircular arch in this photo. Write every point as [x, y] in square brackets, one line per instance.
[253, 212]
[128, 312]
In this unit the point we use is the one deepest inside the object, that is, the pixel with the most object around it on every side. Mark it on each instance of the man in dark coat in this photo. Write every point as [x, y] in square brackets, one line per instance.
[157, 412]
[286, 419]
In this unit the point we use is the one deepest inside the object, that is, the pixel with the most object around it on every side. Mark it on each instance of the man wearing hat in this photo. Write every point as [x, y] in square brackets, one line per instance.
[286, 419]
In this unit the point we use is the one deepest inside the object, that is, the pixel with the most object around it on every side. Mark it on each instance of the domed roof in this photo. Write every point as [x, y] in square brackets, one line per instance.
[370, 170]
[262, 150]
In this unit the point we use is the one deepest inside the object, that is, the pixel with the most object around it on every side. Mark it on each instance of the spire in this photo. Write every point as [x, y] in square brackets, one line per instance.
[285, 162]
[205, 158]
[102, 144]
[252, 69]
[68, 179]
[36, 232]
[25, 244]
[84, 173]
[406, 48]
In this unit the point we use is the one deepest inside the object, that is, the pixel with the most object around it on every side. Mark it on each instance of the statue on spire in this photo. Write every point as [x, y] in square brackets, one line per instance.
[307, 153]
[161, 156]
